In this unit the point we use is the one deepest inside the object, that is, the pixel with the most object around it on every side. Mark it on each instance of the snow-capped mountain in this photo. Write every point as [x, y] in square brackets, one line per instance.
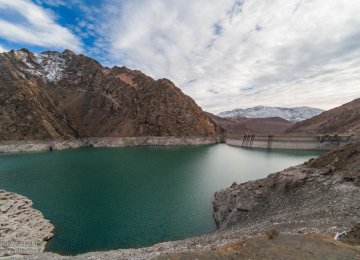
[294, 114]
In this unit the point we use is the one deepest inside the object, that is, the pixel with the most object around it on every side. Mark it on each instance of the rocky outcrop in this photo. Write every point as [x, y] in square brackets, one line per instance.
[55, 96]
[23, 230]
[343, 119]
[318, 196]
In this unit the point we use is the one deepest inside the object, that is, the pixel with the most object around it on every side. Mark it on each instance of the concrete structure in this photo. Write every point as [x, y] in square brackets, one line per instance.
[305, 142]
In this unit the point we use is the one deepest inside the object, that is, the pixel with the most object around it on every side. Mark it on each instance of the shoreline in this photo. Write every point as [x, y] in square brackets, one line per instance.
[288, 142]
[15, 146]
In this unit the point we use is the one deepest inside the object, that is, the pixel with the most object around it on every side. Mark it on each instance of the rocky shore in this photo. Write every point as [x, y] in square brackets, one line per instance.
[306, 211]
[297, 200]
[321, 196]
[23, 230]
[53, 145]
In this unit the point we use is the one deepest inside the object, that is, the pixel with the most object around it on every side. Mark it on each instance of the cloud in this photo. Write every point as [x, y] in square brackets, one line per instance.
[228, 54]
[2, 49]
[34, 25]
[55, 3]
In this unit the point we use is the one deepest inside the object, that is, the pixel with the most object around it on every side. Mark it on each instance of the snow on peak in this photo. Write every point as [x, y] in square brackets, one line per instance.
[52, 65]
[47, 65]
[291, 114]
[24, 57]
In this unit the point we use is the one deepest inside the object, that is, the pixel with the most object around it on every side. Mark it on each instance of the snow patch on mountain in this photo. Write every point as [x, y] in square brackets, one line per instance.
[294, 114]
[47, 65]
[24, 57]
[52, 65]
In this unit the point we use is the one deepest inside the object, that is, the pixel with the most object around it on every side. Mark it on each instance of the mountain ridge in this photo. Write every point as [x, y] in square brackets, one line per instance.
[62, 95]
[242, 125]
[294, 114]
[342, 119]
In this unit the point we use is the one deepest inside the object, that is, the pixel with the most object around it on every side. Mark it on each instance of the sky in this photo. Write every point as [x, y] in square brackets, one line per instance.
[224, 54]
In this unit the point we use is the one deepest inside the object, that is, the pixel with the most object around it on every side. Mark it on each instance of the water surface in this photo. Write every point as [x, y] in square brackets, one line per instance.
[110, 198]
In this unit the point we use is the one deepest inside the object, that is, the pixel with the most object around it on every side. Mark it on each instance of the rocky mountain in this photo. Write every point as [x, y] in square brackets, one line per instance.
[343, 119]
[294, 114]
[55, 95]
[242, 125]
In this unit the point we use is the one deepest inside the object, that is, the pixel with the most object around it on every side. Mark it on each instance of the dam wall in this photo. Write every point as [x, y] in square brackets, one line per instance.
[291, 142]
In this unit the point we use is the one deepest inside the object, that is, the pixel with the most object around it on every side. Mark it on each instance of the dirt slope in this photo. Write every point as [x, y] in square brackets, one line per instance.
[343, 119]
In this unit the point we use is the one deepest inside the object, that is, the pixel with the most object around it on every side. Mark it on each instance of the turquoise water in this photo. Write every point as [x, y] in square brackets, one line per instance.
[100, 199]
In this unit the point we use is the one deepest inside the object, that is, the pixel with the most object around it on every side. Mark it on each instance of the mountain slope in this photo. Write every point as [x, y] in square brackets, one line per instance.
[291, 114]
[27, 111]
[56, 95]
[343, 119]
[241, 125]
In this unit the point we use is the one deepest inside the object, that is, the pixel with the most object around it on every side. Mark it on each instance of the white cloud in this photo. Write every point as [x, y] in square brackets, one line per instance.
[228, 54]
[34, 25]
[2, 49]
[51, 2]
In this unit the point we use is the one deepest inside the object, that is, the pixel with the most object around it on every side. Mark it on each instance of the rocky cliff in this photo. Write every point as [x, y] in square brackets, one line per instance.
[343, 119]
[55, 95]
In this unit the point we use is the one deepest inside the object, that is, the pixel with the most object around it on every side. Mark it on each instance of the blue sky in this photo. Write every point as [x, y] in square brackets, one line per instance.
[73, 21]
[224, 54]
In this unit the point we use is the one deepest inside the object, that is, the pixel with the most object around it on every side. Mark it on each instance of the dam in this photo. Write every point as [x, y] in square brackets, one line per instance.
[291, 142]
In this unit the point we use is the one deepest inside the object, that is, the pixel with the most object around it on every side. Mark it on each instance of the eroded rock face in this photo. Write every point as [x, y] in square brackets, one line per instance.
[56, 95]
[23, 230]
[318, 196]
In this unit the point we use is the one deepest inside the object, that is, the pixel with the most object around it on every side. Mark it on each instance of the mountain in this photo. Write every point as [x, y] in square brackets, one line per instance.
[242, 125]
[55, 95]
[294, 114]
[343, 119]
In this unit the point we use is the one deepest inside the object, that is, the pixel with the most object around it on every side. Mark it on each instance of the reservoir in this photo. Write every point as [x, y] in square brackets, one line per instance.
[111, 198]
